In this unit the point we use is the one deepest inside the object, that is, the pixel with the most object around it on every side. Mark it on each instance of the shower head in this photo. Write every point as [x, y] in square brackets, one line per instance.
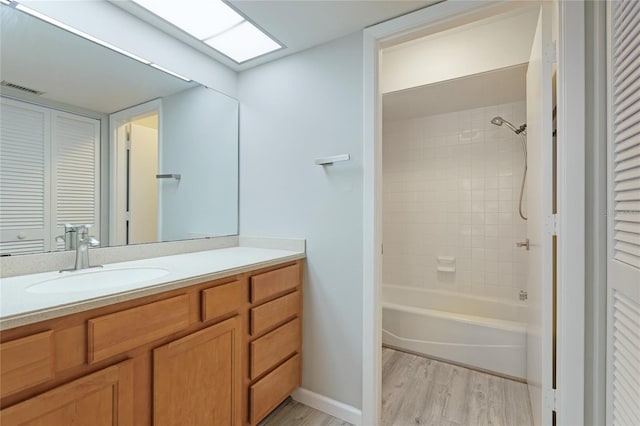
[499, 121]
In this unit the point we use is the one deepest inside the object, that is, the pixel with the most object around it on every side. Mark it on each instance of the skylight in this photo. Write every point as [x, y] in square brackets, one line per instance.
[216, 24]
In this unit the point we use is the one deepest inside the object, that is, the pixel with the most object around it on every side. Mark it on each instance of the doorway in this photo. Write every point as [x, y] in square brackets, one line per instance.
[134, 191]
[433, 20]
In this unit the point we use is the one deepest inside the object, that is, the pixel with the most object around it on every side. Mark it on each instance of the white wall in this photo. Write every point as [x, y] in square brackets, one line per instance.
[482, 46]
[199, 140]
[102, 19]
[294, 110]
[451, 186]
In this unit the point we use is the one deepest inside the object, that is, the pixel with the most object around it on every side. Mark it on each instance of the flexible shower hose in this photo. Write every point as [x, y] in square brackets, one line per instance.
[524, 175]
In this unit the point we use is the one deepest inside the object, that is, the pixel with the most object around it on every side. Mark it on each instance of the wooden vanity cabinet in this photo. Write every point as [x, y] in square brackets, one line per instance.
[274, 341]
[101, 398]
[197, 379]
[223, 352]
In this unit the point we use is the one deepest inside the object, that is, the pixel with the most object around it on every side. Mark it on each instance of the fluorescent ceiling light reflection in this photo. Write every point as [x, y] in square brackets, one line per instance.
[243, 42]
[5, 2]
[202, 19]
[175, 74]
[76, 31]
[215, 23]
[89, 37]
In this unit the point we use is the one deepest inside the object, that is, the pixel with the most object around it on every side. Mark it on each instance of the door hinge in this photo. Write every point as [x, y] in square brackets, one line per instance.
[552, 224]
[127, 142]
[551, 400]
[127, 216]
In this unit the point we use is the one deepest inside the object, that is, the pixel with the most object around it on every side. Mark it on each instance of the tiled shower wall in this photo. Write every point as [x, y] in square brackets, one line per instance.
[451, 184]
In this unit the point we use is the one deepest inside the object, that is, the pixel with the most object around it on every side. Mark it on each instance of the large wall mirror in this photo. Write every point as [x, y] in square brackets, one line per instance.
[91, 136]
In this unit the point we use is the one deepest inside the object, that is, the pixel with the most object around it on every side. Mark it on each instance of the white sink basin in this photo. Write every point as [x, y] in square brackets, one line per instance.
[96, 279]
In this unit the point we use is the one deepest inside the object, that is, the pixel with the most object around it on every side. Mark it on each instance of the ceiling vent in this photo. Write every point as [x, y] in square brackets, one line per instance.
[22, 88]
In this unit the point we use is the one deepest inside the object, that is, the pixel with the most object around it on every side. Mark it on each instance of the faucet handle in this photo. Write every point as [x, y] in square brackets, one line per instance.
[91, 241]
[83, 231]
[71, 227]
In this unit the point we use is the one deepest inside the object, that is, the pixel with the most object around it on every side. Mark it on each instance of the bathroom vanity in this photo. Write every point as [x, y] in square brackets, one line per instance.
[223, 347]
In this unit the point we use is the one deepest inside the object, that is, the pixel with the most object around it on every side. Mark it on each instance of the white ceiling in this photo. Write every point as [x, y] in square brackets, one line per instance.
[480, 46]
[75, 71]
[298, 24]
[301, 24]
[475, 91]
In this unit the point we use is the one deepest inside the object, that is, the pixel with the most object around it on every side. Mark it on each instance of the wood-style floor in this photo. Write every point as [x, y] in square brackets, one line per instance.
[420, 391]
[292, 413]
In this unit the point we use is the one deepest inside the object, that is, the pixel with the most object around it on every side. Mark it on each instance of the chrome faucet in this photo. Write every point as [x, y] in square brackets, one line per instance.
[79, 234]
[69, 237]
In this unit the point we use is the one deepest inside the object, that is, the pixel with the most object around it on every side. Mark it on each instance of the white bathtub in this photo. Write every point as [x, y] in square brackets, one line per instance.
[488, 334]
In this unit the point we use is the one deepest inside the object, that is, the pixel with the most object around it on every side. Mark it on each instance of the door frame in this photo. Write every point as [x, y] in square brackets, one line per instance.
[571, 181]
[115, 121]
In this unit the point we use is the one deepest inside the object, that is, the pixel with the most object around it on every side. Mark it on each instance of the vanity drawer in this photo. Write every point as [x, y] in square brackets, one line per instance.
[221, 300]
[271, 313]
[274, 347]
[267, 393]
[26, 362]
[119, 332]
[272, 283]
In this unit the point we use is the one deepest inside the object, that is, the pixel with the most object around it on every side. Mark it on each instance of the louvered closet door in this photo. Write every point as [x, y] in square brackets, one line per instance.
[75, 172]
[24, 177]
[623, 271]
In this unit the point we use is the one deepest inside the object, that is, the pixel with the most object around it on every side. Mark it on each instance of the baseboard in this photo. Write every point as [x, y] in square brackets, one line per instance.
[327, 405]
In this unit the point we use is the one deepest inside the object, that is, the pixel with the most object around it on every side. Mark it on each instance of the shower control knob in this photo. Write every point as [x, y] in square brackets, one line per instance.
[524, 243]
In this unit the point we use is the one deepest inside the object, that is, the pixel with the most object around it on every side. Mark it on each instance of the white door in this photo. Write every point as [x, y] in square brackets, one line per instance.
[623, 236]
[539, 207]
[118, 183]
[25, 132]
[49, 176]
[75, 174]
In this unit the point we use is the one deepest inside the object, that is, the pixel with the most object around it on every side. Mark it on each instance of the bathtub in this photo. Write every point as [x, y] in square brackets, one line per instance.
[483, 333]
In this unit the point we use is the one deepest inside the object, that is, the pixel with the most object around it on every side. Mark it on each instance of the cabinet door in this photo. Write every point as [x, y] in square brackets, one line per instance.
[197, 378]
[50, 169]
[101, 398]
[25, 151]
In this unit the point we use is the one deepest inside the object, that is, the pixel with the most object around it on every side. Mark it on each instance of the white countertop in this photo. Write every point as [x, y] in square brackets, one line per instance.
[19, 307]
